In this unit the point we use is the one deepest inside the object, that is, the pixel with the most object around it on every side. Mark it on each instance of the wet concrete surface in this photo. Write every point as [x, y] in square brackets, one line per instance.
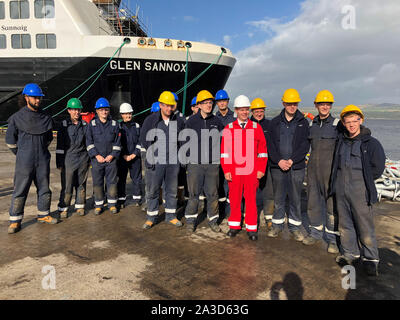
[111, 257]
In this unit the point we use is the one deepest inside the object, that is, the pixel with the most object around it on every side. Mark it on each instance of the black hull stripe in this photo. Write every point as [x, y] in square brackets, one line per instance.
[138, 82]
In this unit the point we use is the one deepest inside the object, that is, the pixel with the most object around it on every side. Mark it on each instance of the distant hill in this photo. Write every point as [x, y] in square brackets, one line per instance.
[383, 105]
[387, 111]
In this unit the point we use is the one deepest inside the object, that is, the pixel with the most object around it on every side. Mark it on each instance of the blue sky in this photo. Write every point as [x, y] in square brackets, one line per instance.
[211, 21]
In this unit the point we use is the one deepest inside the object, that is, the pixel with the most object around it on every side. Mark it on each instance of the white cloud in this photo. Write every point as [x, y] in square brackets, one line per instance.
[227, 40]
[314, 52]
[269, 25]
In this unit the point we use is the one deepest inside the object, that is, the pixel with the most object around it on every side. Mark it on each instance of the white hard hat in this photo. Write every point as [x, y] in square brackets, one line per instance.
[125, 108]
[242, 102]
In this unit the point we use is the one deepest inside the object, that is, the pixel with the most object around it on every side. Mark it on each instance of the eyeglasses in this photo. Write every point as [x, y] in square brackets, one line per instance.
[207, 102]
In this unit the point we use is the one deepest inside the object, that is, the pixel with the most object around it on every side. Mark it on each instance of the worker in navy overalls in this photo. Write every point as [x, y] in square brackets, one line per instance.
[103, 142]
[155, 107]
[130, 157]
[72, 159]
[159, 138]
[29, 134]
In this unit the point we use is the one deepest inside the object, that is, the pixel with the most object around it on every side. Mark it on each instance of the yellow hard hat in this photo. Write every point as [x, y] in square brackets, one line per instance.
[204, 95]
[258, 103]
[291, 96]
[324, 96]
[351, 108]
[168, 98]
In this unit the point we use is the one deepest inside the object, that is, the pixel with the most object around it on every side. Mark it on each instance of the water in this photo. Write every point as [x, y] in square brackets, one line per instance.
[388, 133]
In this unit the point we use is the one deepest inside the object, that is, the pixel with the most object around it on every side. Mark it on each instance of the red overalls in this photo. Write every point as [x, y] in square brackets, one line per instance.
[243, 154]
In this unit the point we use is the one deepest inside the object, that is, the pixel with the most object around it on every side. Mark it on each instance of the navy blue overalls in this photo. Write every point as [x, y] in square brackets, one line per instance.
[320, 208]
[130, 133]
[104, 139]
[29, 135]
[265, 192]
[356, 219]
[73, 159]
[161, 164]
[223, 189]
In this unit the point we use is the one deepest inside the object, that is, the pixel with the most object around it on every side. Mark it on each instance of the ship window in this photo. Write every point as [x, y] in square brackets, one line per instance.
[3, 43]
[46, 41]
[21, 41]
[19, 9]
[2, 10]
[44, 9]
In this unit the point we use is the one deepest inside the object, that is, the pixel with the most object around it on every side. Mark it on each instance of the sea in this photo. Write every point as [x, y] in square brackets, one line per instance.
[388, 133]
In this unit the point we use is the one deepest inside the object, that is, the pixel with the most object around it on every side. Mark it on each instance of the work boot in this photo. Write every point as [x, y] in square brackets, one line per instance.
[297, 235]
[274, 232]
[114, 210]
[308, 241]
[342, 260]
[80, 211]
[370, 268]
[48, 220]
[333, 248]
[190, 227]
[63, 214]
[122, 205]
[176, 222]
[14, 227]
[148, 225]
[97, 211]
[215, 227]
[136, 203]
[233, 232]
[252, 236]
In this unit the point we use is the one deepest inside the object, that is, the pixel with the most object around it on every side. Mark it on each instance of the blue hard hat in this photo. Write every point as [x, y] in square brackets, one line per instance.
[33, 90]
[194, 101]
[155, 107]
[102, 103]
[176, 96]
[221, 95]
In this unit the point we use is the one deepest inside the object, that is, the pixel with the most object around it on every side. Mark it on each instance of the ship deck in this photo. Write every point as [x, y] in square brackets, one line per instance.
[111, 257]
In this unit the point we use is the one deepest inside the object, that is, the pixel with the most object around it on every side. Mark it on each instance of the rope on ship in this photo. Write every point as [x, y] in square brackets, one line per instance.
[223, 50]
[99, 72]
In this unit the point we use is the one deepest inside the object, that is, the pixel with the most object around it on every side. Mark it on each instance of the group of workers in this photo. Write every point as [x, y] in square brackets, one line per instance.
[221, 157]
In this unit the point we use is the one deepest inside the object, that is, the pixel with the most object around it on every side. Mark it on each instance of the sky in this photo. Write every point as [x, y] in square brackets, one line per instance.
[350, 47]
[220, 22]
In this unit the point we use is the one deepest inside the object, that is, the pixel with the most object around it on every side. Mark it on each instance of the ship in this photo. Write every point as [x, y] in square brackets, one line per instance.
[98, 48]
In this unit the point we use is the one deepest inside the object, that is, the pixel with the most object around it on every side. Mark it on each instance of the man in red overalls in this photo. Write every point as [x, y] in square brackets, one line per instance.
[243, 159]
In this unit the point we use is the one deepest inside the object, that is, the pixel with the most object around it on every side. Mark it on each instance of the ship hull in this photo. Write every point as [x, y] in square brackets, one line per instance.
[137, 81]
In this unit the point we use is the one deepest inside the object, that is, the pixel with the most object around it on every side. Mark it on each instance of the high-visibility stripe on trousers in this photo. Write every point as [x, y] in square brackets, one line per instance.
[243, 186]
[101, 172]
[24, 176]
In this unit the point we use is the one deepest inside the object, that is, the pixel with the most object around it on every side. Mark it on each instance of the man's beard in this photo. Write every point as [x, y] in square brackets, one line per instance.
[33, 106]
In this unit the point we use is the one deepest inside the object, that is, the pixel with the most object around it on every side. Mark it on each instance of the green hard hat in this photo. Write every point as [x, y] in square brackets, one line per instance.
[74, 103]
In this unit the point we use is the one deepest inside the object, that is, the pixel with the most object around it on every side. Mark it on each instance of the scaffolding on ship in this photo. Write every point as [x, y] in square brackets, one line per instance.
[121, 18]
